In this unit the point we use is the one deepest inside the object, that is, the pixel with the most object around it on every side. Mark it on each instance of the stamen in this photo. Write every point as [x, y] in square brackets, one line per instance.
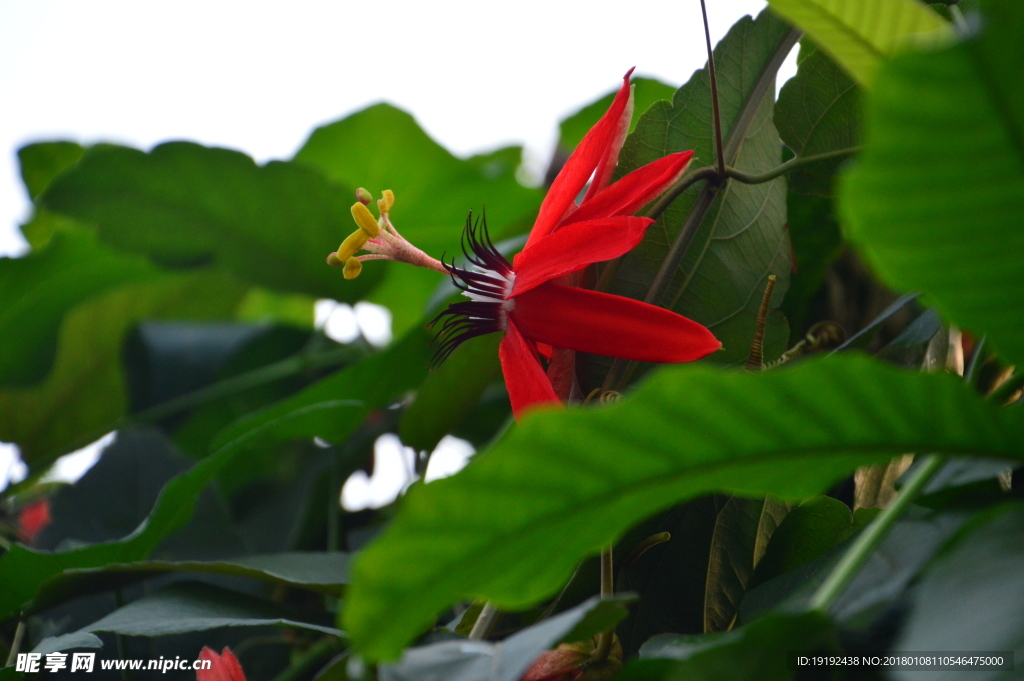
[352, 268]
[361, 214]
[353, 242]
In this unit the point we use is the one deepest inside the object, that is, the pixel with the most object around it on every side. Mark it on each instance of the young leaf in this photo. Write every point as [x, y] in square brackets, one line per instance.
[936, 201]
[184, 205]
[861, 35]
[513, 525]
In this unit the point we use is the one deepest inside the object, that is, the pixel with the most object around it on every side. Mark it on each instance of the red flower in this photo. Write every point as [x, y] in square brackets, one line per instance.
[33, 518]
[523, 298]
[223, 667]
[529, 299]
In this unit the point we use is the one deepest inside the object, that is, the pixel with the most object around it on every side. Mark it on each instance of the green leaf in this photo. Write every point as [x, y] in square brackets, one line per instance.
[743, 237]
[192, 606]
[755, 652]
[184, 205]
[334, 406]
[742, 530]
[936, 201]
[818, 111]
[42, 161]
[10, 674]
[513, 525]
[384, 148]
[24, 571]
[321, 572]
[448, 395]
[462, 660]
[36, 291]
[85, 396]
[861, 35]
[969, 599]
[76, 639]
[646, 91]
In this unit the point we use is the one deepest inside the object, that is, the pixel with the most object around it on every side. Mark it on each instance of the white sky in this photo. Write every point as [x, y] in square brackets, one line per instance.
[259, 76]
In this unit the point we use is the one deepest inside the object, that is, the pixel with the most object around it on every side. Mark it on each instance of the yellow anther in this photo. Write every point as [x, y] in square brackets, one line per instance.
[364, 197]
[352, 268]
[353, 243]
[334, 261]
[364, 218]
[384, 205]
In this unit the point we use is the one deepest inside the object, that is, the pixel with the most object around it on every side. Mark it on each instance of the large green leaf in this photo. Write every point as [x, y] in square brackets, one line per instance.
[515, 522]
[743, 238]
[861, 35]
[84, 396]
[462, 660]
[818, 111]
[384, 148]
[334, 406]
[936, 201]
[969, 600]
[37, 290]
[191, 606]
[183, 205]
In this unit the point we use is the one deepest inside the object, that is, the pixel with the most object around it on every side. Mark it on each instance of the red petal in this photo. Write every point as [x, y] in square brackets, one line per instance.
[525, 380]
[609, 325]
[580, 166]
[606, 166]
[573, 247]
[562, 372]
[223, 667]
[635, 190]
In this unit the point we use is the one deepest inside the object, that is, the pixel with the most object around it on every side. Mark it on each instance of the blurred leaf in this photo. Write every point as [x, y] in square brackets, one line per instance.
[969, 599]
[818, 111]
[36, 291]
[77, 639]
[9, 674]
[321, 572]
[755, 652]
[334, 406]
[463, 660]
[383, 147]
[185, 205]
[42, 161]
[861, 35]
[193, 606]
[85, 396]
[512, 526]
[447, 395]
[262, 305]
[810, 530]
[646, 91]
[936, 201]
[742, 239]
[24, 571]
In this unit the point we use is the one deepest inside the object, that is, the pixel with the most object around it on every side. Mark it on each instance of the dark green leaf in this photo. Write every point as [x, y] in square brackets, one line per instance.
[185, 205]
[447, 395]
[193, 606]
[42, 161]
[818, 111]
[85, 395]
[506, 661]
[322, 572]
[969, 600]
[36, 291]
[860, 36]
[937, 198]
[384, 148]
[333, 407]
[755, 652]
[10, 674]
[513, 524]
[743, 238]
[646, 91]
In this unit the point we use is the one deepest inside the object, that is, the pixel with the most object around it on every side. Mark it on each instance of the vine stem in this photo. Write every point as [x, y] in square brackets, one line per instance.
[868, 540]
[720, 154]
[19, 634]
[484, 621]
[606, 638]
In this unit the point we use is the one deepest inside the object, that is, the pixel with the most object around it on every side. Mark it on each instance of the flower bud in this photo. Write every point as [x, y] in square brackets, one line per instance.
[364, 197]
[352, 268]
